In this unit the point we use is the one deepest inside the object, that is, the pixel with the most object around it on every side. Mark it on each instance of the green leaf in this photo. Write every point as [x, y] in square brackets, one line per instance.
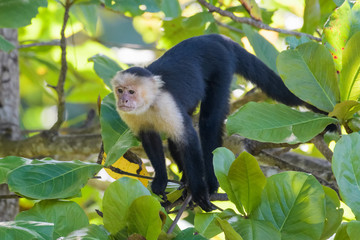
[26, 230]
[343, 23]
[206, 223]
[18, 13]
[117, 200]
[9, 163]
[348, 231]
[334, 213]
[341, 233]
[5, 45]
[309, 73]
[91, 232]
[87, 14]
[51, 179]
[143, 217]
[174, 32]
[294, 42]
[198, 20]
[117, 137]
[350, 74]
[294, 203]
[346, 168]
[353, 229]
[105, 68]
[311, 16]
[255, 229]
[263, 48]
[247, 181]
[65, 215]
[276, 123]
[223, 158]
[229, 231]
[125, 6]
[345, 110]
[171, 8]
[189, 233]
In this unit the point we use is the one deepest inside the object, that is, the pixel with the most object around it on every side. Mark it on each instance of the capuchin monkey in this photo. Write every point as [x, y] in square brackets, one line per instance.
[160, 99]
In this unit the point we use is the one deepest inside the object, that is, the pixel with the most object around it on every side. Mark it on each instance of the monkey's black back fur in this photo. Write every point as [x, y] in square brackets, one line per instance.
[201, 69]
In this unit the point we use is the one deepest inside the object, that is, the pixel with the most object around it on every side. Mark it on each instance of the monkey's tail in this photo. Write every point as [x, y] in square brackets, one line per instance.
[254, 70]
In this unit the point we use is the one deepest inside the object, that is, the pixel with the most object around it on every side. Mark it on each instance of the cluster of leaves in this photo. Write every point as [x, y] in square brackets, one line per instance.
[289, 205]
[323, 75]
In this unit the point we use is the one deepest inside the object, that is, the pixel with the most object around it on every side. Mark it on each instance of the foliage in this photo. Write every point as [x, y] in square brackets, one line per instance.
[287, 205]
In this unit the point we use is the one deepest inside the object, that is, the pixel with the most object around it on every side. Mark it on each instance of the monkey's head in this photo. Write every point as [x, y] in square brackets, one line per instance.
[135, 89]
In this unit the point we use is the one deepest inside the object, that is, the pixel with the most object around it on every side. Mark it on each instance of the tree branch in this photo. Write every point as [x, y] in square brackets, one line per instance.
[253, 22]
[49, 144]
[63, 70]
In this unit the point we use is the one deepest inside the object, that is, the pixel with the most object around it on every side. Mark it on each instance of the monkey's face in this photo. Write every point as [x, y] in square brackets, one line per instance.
[135, 94]
[127, 98]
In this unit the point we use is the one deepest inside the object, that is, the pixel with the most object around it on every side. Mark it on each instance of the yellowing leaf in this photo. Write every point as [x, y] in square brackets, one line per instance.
[126, 166]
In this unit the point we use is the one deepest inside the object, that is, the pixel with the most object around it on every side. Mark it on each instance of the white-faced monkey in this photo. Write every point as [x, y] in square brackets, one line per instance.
[161, 98]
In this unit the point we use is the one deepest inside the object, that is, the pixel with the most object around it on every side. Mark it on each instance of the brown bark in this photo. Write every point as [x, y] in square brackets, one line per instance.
[9, 113]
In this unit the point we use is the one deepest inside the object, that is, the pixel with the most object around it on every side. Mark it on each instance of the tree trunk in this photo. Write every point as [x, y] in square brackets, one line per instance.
[9, 113]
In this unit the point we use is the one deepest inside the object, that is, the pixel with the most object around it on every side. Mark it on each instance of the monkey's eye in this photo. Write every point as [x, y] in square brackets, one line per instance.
[131, 91]
[120, 90]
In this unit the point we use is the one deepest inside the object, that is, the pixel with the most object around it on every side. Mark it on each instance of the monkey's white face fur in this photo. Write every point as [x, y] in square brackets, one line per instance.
[134, 94]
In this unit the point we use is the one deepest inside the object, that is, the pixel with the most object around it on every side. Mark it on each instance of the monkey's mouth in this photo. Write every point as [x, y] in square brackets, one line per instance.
[126, 108]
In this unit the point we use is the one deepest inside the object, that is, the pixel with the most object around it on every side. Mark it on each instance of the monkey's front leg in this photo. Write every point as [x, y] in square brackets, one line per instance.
[153, 147]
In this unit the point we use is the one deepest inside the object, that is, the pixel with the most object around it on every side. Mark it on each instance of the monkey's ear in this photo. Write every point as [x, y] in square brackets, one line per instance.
[158, 82]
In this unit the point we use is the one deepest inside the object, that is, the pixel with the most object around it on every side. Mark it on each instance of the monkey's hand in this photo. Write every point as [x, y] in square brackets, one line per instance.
[158, 186]
[201, 197]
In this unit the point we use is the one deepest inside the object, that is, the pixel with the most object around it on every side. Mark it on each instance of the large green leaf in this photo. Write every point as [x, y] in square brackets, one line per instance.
[346, 168]
[251, 229]
[294, 203]
[91, 232]
[65, 215]
[334, 213]
[309, 72]
[143, 217]
[105, 68]
[343, 23]
[51, 179]
[18, 13]
[276, 123]
[350, 74]
[26, 230]
[263, 48]
[9, 163]
[117, 200]
[247, 181]
[117, 137]
[223, 158]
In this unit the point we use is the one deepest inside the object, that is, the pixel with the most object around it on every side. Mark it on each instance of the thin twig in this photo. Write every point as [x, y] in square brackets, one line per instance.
[119, 171]
[40, 44]
[253, 22]
[177, 218]
[63, 71]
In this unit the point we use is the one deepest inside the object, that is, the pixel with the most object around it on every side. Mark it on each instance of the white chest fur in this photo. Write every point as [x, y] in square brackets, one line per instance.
[163, 116]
